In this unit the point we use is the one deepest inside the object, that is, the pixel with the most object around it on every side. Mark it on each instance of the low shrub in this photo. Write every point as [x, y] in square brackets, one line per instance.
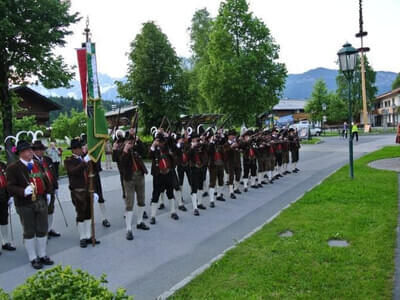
[64, 284]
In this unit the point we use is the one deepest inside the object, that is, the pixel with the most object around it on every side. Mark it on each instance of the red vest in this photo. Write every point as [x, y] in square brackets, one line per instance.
[164, 164]
[36, 177]
[252, 154]
[185, 158]
[48, 172]
[3, 178]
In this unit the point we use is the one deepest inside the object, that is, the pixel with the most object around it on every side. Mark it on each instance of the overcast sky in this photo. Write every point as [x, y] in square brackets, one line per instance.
[309, 32]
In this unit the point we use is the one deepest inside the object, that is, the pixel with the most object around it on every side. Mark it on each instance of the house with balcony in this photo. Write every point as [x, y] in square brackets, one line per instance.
[386, 109]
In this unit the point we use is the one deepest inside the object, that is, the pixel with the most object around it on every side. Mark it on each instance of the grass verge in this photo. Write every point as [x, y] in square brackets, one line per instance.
[265, 266]
[313, 141]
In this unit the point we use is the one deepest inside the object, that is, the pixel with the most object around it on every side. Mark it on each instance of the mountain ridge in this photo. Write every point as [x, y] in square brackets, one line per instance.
[298, 86]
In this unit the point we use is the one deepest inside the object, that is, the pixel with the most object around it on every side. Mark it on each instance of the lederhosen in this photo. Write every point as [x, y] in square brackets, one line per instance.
[216, 164]
[77, 171]
[32, 212]
[49, 170]
[4, 196]
[163, 176]
[249, 160]
[285, 151]
[183, 163]
[233, 163]
[294, 148]
[269, 149]
[197, 163]
[278, 153]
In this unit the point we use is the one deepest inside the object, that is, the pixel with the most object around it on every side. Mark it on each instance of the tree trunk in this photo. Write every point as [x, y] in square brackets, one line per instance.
[6, 112]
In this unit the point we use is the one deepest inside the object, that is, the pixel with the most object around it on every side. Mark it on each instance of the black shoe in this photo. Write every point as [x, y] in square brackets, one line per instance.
[174, 216]
[265, 176]
[271, 182]
[162, 206]
[152, 221]
[215, 193]
[106, 223]
[83, 243]
[201, 206]
[297, 170]
[260, 185]
[205, 194]
[241, 183]
[142, 226]
[220, 198]
[8, 247]
[182, 207]
[233, 196]
[53, 233]
[254, 187]
[89, 241]
[212, 204]
[196, 212]
[264, 182]
[245, 190]
[237, 191]
[129, 235]
[46, 261]
[145, 216]
[36, 264]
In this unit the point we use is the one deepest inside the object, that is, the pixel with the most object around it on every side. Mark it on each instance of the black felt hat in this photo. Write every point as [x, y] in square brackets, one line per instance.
[22, 145]
[75, 144]
[38, 145]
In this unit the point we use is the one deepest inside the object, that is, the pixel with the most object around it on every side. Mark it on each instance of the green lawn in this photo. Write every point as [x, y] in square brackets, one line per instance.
[266, 266]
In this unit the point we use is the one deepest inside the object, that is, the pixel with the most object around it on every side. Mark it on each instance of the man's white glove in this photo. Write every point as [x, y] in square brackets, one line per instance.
[86, 158]
[28, 190]
[95, 197]
[48, 197]
[11, 201]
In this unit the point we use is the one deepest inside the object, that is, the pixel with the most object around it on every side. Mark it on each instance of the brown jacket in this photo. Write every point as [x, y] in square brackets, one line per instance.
[18, 180]
[77, 173]
[127, 161]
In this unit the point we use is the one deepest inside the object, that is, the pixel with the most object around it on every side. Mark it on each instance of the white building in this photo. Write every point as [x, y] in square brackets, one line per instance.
[386, 109]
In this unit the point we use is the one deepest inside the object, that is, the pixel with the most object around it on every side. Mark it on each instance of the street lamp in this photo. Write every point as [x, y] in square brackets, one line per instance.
[347, 63]
[323, 117]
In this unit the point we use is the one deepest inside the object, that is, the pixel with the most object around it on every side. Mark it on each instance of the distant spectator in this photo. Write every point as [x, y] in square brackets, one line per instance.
[398, 134]
[344, 130]
[109, 152]
[354, 131]
[55, 155]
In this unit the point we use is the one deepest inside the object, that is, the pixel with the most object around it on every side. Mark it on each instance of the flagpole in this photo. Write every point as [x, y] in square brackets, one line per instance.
[91, 165]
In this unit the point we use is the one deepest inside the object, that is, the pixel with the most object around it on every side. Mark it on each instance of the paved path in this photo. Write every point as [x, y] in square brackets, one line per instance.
[392, 164]
[158, 259]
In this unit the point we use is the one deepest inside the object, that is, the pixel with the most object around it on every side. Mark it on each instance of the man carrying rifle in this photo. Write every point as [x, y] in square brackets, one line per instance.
[47, 164]
[116, 156]
[249, 160]
[294, 146]
[162, 171]
[232, 154]
[216, 166]
[133, 171]
[182, 157]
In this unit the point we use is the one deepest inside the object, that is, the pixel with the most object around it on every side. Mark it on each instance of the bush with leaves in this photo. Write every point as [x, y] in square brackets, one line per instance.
[4, 295]
[71, 125]
[64, 284]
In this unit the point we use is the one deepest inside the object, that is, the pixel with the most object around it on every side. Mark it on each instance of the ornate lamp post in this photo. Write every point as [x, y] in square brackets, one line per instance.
[347, 63]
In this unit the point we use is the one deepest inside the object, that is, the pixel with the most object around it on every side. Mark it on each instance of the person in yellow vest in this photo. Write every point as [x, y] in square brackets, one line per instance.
[354, 131]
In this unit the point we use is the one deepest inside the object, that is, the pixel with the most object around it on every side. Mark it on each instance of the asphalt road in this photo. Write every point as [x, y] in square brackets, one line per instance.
[171, 250]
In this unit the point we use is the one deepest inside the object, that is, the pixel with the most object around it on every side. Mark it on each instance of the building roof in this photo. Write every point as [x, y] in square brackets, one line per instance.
[390, 94]
[24, 92]
[290, 104]
[117, 111]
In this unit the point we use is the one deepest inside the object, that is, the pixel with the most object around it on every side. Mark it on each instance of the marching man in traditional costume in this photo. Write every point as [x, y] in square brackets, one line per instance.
[77, 169]
[28, 184]
[47, 165]
[133, 171]
[6, 203]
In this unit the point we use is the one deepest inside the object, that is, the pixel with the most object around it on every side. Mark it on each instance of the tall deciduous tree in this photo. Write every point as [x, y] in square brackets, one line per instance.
[29, 32]
[319, 96]
[243, 77]
[199, 36]
[155, 80]
[396, 82]
[356, 92]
